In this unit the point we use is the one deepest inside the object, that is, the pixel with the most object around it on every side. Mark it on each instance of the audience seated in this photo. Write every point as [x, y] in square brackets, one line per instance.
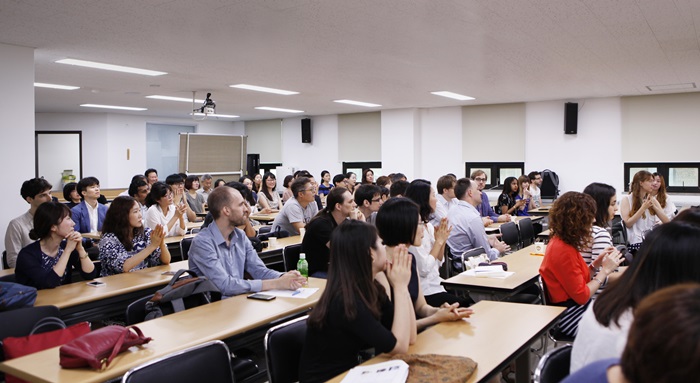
[268, 198]
[467, 227]
[399, 225]
[369, 199]
[670, 255]
[89, 214]
[325, 186]
[162, 211]
[257, 183]
[126, 245]
[195, 200]
[248, 182]
[287, 194]
[524, 196]
[535, 184]
[641, 211]
[662, 345]
[139, 190]
[485, 210]
[298, 210]
[507, 200]
[223, 253]
[354, 312]
[568, 279]
[58, 250]
[177, 184]
[207, 186]
[340, 180]
[151, 176]
[35, 192]
[398, 188]
[351, 180]
[445, 198]
[219, 182]
[384, 182]
[367, 176]
[430, 253]
[606, 204]
[316, 243]
[125, 193]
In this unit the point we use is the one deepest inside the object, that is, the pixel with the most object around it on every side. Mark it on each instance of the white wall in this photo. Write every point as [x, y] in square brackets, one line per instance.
[17, 127]
[592, 155]
[321, 154]
[401, 151]
[441, 143]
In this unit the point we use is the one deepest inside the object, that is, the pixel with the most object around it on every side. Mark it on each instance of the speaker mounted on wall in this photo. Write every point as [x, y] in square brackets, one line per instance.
[571, 118]
[306, 130]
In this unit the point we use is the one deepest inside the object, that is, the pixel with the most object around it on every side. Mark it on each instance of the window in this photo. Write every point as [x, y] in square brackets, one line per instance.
[680, 177]
[496, 172]
[357, 167]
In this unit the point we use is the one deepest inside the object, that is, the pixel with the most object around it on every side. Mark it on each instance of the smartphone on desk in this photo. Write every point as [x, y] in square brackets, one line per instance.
[96, 284]
[262, 297]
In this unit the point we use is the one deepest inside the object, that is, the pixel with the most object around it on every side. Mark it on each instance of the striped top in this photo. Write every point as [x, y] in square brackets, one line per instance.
[601, 240]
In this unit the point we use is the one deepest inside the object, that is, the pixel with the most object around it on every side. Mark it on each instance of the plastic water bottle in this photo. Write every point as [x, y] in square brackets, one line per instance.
[303, 266]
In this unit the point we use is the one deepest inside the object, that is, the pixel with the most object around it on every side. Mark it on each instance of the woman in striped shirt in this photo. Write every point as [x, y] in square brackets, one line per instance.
[606, 205]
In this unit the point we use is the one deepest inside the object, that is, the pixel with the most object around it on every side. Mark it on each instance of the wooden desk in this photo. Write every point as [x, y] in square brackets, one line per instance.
[4, 272]
[177, 239]
[497, 333]
[541, 211]
[525, 266]
[79, 302]
[96, 236]
[218, 320]
[272, 254]
[496, 226]
[193, 225]
[264, 217]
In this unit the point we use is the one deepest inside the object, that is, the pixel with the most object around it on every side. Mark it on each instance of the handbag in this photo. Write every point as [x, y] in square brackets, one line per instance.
[15, 347]
[98, 348]
[15, 296]
[431, 368]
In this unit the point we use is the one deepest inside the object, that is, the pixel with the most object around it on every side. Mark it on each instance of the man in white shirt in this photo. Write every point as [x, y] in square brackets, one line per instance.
[535, 183]
[139, 190]
[89, 214]
[35, 191]
[445, 198]
[207, 187]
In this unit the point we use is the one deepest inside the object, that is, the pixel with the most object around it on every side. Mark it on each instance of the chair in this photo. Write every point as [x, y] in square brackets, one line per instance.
[527, 232]
[469, 254]
[209, 361]
[290, 254]
[554, 365]
[4, 260]
[20, 322]
[185, 244]
[283, 344]
[136, 311]
[264, 230]
[545, 301]
[509, 235]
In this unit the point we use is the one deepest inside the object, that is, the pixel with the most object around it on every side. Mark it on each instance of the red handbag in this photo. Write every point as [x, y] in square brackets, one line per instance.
[25, 345]
[97, 348]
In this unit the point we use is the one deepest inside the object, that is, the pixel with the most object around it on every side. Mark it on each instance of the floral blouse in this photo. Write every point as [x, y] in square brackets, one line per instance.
[113, 253]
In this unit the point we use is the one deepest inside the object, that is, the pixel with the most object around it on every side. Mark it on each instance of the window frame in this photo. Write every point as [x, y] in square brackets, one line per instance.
[663, 169]
[495, 168]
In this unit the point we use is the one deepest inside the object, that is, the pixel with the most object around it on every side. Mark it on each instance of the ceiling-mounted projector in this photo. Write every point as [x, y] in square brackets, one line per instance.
[209, 106]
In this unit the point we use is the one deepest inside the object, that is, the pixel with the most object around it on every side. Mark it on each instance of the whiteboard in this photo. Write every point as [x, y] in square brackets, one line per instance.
[56, 152]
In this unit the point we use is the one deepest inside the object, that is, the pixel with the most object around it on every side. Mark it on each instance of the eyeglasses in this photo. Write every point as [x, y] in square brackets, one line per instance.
[479, 179]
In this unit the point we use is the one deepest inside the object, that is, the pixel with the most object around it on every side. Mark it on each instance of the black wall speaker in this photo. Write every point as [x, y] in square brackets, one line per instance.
[306, 130]
[571, 118]
[253, 164]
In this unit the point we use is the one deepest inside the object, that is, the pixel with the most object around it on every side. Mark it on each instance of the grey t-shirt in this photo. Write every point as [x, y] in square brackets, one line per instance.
[293, 212]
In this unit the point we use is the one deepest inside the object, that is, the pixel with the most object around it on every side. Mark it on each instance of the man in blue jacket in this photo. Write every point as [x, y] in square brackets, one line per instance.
[89, 214]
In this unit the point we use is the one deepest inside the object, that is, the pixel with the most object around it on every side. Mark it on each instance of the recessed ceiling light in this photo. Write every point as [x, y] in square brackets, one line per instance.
[278, 109]
[117, 68]
[456, 96]
[215, 115]
[656, 88]
[358, 103]
[170, 98]
[55, 86]
[264, 89]
[112, 107]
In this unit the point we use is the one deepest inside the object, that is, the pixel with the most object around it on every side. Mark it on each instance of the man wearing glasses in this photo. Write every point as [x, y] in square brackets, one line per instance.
[368, 198]
[299, 209]
[535, 183]
[487, 213]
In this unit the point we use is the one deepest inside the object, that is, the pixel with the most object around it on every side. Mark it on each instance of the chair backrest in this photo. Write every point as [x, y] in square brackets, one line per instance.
[185, 244]
[136, 311]
[543, 290]
[8, 278]
[4, 260]
[290, 254]
[210, 362]
[554, 365]
[283, 344]
[527, 232]
[509, 234]
[21, 322]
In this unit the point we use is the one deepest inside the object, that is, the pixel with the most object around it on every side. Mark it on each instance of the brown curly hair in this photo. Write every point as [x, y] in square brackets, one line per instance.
[571, 218]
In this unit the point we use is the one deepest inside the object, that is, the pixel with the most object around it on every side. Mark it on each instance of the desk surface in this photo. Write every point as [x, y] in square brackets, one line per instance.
[264, 217]
[79, 293]
[4, 272]
[525, 266]
[492, 337]
[218, 320]
[278, 244]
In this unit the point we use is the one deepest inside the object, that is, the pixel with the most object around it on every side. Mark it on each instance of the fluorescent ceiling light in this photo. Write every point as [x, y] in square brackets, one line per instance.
[456, 96]
[112, 107]
[358, 103]
[687, 85]
[215, 115]
[278, 109]
[55, 86]
[118, 68]
[170, 98]
[263, 89]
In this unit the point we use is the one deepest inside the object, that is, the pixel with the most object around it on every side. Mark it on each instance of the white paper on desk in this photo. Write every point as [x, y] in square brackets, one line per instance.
[495, 271]
[303, 292]
[393, 371]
